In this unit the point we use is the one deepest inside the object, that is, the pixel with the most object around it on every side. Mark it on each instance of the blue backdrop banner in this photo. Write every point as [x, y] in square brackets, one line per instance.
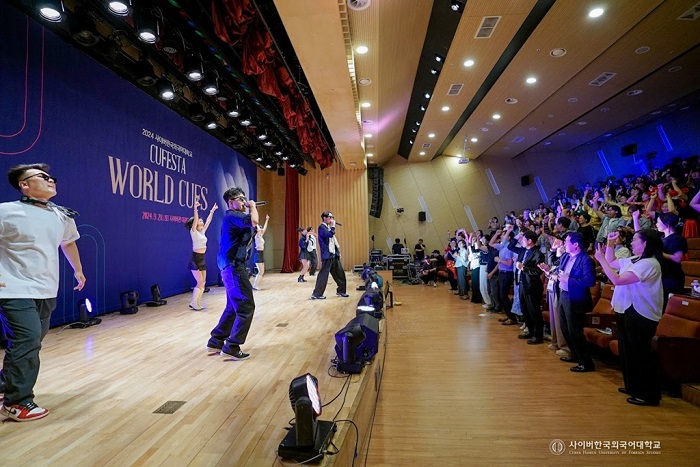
[128, 164]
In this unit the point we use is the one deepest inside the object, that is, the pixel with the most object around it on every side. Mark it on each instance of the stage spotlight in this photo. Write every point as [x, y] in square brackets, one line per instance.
[210, 121]
[166, 91]
[129, 300]
[357, 343]
[51, 10]
[157, 301]
[308, 438]
[119, 8]
[85, 317]
[193, 67]
[147, 28]
[210, 86]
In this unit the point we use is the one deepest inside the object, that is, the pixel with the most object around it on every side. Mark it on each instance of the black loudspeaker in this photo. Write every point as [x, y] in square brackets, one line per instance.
[525, 180]
[375, 209]
[280, 171]
[628, 150]
[421, 216]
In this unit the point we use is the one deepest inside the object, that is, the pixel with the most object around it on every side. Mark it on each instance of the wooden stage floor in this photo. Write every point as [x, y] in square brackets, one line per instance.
[458, 389]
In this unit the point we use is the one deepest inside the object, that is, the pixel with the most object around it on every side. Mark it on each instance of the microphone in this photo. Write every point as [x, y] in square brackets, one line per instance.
[261, 203]
[338, 224]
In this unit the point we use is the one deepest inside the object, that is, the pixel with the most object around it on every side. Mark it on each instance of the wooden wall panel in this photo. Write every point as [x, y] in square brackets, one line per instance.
[345, 194]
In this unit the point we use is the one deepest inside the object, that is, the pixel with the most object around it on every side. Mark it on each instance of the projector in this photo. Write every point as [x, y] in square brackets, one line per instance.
[464, 160]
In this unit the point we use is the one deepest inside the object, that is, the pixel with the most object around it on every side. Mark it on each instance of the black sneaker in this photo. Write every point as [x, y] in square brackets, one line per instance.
[320, 297]
[342, 294]
[214, 346]
[235, 354]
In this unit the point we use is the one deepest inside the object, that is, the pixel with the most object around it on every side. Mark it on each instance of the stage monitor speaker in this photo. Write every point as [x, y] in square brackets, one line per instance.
[525, 180]
[421, 216]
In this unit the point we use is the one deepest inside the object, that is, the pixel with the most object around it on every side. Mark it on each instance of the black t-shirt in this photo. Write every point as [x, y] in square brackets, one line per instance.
[672, 273]
[396, 249]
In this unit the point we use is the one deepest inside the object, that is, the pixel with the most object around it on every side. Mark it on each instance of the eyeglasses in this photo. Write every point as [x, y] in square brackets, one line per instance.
[41, 175]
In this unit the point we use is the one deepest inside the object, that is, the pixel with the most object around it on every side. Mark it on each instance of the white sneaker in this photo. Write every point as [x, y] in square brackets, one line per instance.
[523, 326]
[553, 347]
[563, 353]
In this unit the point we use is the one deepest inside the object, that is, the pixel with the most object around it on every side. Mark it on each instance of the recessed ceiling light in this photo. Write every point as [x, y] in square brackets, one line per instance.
[410, 141]
[361, 49]
[426, 95]
[547, 143]
[562, 134]
[581, 123]
[605, 109]
[511, 100]
[353, 164]
[369, 154]
[431, 135]
[484, 129]
[674, 69]
[364, 81]
[595, 12]
[634, 92]
[365, 105]
[558, 52]
[531, 80]
[439, 58]
[469, 63]
[417, 123]
[413, 130]
[434, 71]
[572, 99]
[496, 116]
[642, 50]
[607, 135]
[532, 128]
[422, 108]
[368, 135]
[474, 140]
[422, 153]
[445, 108]
[656, 112]
[369, 146]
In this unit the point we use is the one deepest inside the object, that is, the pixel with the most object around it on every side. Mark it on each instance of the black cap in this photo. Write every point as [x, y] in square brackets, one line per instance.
[326, 214]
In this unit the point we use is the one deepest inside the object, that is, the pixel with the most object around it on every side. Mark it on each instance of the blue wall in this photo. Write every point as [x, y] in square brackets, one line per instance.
[127, 163]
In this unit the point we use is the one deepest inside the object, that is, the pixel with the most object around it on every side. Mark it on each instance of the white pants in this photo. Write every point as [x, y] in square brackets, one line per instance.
[484, 285]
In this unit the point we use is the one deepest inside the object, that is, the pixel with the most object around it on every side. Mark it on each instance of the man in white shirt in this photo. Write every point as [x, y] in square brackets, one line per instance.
[31, 230]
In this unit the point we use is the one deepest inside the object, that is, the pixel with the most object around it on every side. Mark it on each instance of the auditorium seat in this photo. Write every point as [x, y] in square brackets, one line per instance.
[677, 340]
[694, 249]
[600, 323]
[691, 269]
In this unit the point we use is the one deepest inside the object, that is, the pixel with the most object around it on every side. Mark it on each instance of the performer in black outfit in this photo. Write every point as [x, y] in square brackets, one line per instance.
[311, 248]
[330, 257]
[237, 230]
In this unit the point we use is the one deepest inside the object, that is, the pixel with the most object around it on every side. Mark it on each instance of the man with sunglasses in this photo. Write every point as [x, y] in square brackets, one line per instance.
[330, 257]
[237, 232]
[31, 230]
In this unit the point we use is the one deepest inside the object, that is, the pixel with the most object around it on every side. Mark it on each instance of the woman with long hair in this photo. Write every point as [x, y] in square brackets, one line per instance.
[638, 304]
[198, 266]
[259, 255]
[304, 255]
[675, 247]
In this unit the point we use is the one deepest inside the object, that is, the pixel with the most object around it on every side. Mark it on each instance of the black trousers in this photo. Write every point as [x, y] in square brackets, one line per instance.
[505, 281]
[335, 268]
[530, 300]
[495, 292]
[640, 368]
[572, 324]
[313, 261]
[237, 317]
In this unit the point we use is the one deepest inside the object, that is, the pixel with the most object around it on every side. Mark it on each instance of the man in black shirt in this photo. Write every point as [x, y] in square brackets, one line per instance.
[396, 247]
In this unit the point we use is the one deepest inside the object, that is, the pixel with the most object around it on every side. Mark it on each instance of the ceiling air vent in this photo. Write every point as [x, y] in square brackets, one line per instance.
[455, 89]
[358, 5]
[426, 145]
[487, 26]
[602, 79]
[692, 14]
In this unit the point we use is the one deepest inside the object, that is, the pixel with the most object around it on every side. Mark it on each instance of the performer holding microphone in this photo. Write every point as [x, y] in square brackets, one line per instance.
[330, 257]
[236, 237]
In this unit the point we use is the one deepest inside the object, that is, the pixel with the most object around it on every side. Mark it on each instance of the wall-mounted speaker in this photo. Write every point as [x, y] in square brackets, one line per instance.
[421, 216]
[525, 180]
[280, 171]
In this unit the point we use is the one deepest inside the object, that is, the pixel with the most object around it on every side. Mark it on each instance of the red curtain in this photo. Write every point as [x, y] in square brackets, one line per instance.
[290, 262]
[237, 21]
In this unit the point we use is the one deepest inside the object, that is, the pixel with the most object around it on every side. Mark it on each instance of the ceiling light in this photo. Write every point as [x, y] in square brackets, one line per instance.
[410, 141]
[435, 71]
[364, 81]
[547, 143]
[259, 158]
[166, 90]
[531, 80]
[431, 135]
[474, 140]
[581, 123]
[262, 136]
[469, 63]
[244, 119]
[496, 116]
[439, 58]
[413, 130]
[445, 108]
[634, 92]
[234, 111]
[511, 100]
[119, 8]
[51, 10]
[365, 105]
[361, 49]
[422, 108]
[455, 5]
[422, 153]
[558, 52]
[572, 100]
[596, 12]
[368, 135]
[369, 154]
[417, 123]
[426, 95]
